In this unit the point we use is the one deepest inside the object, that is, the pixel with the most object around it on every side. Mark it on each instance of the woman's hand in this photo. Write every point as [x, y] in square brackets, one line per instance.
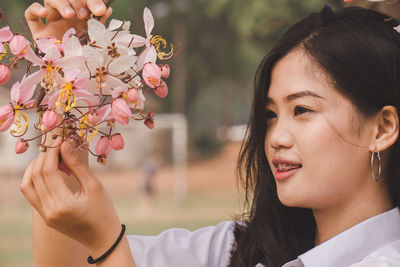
[61, 15]
[87, 214]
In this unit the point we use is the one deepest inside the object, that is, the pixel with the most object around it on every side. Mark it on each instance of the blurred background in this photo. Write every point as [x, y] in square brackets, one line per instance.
[182, 173]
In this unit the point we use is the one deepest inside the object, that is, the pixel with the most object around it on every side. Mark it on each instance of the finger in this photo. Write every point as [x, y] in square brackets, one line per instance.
[76, 161]
[61, 6]
[106, 16]
[52, 177]
[38, 181]
[97, 7]
[80, 8]
[33, 14]
[28, 189]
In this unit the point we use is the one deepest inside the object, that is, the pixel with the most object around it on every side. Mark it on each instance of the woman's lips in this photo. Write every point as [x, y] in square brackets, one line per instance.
[282, 175]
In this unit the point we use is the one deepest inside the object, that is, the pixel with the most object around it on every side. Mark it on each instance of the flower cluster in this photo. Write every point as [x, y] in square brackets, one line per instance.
[80, 83]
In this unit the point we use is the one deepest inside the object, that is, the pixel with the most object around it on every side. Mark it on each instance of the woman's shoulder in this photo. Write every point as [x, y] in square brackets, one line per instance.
[387, 256]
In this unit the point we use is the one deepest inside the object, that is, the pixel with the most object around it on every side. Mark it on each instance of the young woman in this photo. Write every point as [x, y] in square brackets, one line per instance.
[319, 163]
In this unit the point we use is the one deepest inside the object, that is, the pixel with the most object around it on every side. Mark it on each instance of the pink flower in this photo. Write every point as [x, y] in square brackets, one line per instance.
[21, 146]
[149, 54]
[121, 111]
[132, 95]
[50, 119]
[5, 74]
[103, 146]
[49, 64]
[19, 45]
[5, 34]
[165, 71]
[6, 117]
[162, 90]
[73, 90]
[151, 74]
[22, 96]
[117, 142]
[149, 120]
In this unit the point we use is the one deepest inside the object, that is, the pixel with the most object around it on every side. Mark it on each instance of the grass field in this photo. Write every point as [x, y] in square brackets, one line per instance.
[212, 197]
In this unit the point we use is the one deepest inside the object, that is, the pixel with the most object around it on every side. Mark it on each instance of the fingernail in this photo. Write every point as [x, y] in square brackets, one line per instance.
[82, 12]
[98, 8]
[68, 10]
[54, 136]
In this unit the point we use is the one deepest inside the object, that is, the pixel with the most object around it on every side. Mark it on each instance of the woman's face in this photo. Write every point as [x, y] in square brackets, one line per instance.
[317, 143]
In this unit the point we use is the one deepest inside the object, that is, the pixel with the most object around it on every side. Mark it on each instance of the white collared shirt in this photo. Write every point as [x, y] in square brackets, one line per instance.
[374, 242]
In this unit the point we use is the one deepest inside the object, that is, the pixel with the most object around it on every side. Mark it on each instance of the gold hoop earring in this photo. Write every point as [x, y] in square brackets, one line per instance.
[378, 156]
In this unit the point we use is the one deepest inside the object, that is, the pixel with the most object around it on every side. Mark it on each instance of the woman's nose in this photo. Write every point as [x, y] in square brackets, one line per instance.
[280, 137]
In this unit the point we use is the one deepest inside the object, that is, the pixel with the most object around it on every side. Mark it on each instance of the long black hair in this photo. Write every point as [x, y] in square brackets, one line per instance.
[360, 52]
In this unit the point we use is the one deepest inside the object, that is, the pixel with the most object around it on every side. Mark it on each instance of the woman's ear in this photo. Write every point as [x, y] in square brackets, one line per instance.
[386, 129]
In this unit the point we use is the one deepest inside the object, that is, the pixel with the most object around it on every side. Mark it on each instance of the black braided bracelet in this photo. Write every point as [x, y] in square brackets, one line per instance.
[108, 252]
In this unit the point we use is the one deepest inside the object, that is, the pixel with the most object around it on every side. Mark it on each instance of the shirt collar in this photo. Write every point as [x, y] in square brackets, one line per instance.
[356, 242]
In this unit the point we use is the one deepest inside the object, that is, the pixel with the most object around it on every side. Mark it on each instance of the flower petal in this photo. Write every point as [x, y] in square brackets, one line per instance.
[70, 62]
[44, 44]
[52, 54]
[32, 79]
[32, 57]
[116, 24]
[121, 64]
[68, 34]
[148, 21]
[148, 55]
[70, 75]
[97, 32]
[118, 91]
[81, 82]
[6, 124]
[87, 96]
[73, 47]
[53, 99]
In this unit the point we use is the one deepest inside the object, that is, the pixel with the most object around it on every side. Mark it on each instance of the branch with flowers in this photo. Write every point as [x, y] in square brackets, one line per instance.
[83, 81]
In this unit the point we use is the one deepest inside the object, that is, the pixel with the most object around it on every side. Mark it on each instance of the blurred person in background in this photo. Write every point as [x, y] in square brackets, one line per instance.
[150, 166]
[319, 163]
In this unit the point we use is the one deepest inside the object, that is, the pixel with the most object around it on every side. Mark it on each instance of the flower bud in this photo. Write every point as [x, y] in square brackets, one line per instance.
[151, 74]
[5, 74]
[132, 95]
[102, 160]
[162, 90]
[117, 142]
[103, 146]
[121, 111]
[50, 118]
[42, 148]
[21, 146]
[5, 34]
[18, 46]
[165, 71]
[149, 120]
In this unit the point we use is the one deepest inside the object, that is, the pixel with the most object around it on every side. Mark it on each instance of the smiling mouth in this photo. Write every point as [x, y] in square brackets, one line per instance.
[286, 168]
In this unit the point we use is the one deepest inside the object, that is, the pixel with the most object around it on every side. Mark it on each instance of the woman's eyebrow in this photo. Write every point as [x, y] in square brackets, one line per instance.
[296, 95]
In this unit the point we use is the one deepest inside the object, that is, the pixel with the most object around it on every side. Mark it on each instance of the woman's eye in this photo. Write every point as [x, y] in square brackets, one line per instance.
[298, 110]
[269, 114]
